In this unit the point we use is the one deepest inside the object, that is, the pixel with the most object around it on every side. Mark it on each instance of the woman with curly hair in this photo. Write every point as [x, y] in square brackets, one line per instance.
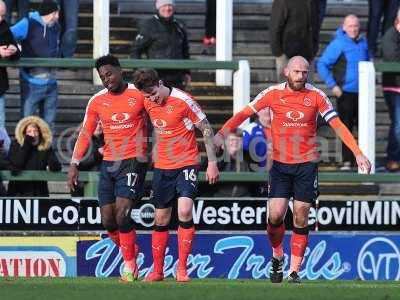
[31, 150]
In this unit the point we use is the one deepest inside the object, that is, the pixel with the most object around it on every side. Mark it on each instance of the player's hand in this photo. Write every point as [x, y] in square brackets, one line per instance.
[72, 177]
[218, 141]
[337, 91]
[363, 163]
[212, 173]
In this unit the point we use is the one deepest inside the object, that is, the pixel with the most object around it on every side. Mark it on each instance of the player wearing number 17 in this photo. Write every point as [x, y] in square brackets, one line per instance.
[120, 109]
[294, 107]
[174, 115]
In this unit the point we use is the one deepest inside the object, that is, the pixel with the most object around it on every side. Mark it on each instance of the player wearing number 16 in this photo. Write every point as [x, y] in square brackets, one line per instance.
[120, 109]
[174, 115]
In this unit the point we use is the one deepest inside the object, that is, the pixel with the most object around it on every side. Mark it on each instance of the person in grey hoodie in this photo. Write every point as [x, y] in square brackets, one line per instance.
[338, 67]
[39, 34]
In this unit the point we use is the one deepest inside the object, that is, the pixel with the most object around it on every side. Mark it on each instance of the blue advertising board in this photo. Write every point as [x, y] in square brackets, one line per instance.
[328, 256]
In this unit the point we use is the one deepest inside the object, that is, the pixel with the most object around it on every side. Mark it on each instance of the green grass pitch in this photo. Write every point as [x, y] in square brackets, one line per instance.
[219, 289]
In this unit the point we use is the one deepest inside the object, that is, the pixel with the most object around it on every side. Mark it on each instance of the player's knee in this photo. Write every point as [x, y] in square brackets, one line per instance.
[109, 223]
[300, 220]
[124, 220]
[275, 218]
[185, 214]
[125, 223]
[162, 220]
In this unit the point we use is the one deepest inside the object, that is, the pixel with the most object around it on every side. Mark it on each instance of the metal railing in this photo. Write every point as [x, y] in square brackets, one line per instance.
[90, 179]
[241, 77]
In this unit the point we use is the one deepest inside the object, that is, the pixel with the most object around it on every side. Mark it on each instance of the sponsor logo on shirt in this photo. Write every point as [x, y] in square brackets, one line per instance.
[159, 125]
[294, 116]
[120, 119]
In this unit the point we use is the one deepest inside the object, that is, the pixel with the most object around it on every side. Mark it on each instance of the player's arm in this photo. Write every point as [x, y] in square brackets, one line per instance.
[347, 138]
[261, 101]
[82, 145]
[212, 172]
[331, 117]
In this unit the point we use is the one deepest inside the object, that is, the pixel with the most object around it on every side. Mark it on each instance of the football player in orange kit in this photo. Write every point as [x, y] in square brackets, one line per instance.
[174, 115]
[294, 107]
[120, 109]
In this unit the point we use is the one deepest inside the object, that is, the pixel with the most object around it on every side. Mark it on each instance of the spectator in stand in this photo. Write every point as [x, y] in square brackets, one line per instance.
[338, 67]
[294, 31]
[39, 34]
[164, 37]
[8, 50]
[256, 142]
[22, 7]
[69, 26]
[391, 92]
[210, 23]
[93, 158]
[233, 161]
[376, 10]
[31, 151]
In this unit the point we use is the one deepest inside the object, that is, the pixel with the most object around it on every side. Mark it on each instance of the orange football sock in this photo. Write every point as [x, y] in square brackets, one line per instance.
[159, 241]
[298, 245]
[276, 232]
[185, 241]
[127, 240]
[114, 236]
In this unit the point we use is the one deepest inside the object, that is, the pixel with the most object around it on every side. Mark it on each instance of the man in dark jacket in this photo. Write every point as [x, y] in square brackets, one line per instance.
[294, 31]
[338, 67]
[39, 34]
[164, 37]
[8, 50]
[391, 92]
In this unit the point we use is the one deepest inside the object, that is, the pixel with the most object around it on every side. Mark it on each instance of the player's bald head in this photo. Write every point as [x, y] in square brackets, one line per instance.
[297, 62]
[296, 72]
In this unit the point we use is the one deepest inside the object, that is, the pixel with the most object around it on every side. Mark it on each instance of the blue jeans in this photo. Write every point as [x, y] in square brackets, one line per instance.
[2, 111]
[69, 25]
[393, 148]
[42, 97]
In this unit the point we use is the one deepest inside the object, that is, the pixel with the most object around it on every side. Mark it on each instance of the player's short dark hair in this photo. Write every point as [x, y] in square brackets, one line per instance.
[145, 78]
[107, 60]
